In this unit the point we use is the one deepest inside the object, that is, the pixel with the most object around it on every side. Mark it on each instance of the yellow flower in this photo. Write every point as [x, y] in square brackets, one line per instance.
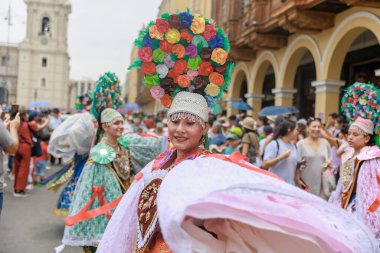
[219, 56]
[198, 25]
[212, 90]
[173, 36]
[154, 33]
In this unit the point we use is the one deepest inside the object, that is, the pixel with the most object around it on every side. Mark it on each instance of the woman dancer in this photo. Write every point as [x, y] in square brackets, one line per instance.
[188, 200]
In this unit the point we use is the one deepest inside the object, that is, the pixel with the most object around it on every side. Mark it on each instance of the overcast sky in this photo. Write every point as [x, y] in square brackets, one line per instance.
[101, 32]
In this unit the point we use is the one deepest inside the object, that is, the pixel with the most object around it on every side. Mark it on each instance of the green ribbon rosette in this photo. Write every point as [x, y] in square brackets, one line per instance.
[102, 153]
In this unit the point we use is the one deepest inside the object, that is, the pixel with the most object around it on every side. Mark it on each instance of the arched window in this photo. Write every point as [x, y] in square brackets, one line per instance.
[45, 27]
[43, 82]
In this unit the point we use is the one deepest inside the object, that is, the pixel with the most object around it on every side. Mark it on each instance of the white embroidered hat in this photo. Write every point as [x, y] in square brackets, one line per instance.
[365, 125]
[187, 102]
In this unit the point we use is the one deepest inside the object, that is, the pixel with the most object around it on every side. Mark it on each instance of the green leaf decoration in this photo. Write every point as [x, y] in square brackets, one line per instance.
[135, 64]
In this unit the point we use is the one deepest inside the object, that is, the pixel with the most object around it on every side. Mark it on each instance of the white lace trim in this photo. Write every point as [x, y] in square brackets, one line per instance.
[80, 241]
[187, 115]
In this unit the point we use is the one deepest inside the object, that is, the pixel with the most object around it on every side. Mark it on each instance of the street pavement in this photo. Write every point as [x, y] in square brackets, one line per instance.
[28, 225]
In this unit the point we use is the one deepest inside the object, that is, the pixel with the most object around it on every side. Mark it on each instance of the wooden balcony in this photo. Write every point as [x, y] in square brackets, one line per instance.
[262, 24]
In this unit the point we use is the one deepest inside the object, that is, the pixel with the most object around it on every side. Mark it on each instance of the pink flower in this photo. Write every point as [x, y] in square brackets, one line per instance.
[157, 92]
[192, 74]
[145, 54]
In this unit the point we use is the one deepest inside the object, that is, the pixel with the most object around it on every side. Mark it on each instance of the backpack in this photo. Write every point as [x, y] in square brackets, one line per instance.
[252, 154]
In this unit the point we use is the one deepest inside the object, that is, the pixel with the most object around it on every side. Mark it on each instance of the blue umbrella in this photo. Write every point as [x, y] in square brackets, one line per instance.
[277, 110]
[131, 107]
[41, 103]
[241, 105]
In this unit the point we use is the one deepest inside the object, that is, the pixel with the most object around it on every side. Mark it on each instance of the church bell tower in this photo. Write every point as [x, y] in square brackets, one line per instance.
[43, 72]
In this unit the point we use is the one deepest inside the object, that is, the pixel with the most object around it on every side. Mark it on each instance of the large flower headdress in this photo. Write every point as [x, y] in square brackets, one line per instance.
[107, 94]
[184, 52]
[362, 100]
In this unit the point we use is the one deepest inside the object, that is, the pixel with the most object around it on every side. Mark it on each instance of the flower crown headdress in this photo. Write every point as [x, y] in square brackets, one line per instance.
[107, 94]
[362, 100]
[184, 52]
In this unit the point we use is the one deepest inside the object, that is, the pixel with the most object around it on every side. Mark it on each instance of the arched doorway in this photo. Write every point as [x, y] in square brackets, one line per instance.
[304, 99]
[269, 84]
[361, 60]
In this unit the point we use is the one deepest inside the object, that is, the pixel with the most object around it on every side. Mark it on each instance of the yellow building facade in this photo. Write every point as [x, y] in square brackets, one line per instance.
[300, 61]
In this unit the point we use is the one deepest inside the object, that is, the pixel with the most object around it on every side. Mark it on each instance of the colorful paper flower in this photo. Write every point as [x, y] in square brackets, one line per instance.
[166, 46]
[185, 35]
[173, 36]
[157, 92]
[155, 34]
[158, 55]
[168, 61]
[184, 81]
[145, 54]
[179, 51]
[174, 21]
[193, 64]
[162, 25]
[216, 78]
[166, 101]
[187, 19]
[205, 68]
[191, 51]
[212, 89]
[162, 70]
[148, 68]
[198, 25]
[219, 56]
[180, 66]
[209, 32]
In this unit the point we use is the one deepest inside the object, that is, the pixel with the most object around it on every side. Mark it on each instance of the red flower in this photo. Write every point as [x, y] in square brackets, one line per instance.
[205, 68]
[145, 54]
[166, 46]
[185, 35]
[166, 101]
[180, 66]
[148, 68]
[209, 32]
[162, 25]
[174, 21]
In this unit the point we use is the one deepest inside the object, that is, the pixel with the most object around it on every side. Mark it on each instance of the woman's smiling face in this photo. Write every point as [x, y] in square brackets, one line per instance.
[185, 134]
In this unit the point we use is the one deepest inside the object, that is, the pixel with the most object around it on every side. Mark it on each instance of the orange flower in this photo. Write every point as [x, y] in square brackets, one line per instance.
[166, 101]
[179, 50]
[154, 33]
[148, 68]
[205, 68]
[184, 81]
[219, 56]
[216, 78]
[180, 66]
[166, 46]
[174, 75]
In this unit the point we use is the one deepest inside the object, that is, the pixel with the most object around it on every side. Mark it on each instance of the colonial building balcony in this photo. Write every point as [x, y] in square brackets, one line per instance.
[266, 24]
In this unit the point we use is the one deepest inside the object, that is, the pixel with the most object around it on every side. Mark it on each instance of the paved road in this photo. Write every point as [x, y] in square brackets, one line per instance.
[29, 225]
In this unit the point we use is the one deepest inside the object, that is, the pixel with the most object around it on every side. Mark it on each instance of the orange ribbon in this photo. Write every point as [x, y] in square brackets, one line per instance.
[238, 158]
[375, 203]
[104, 208]
[147, 135]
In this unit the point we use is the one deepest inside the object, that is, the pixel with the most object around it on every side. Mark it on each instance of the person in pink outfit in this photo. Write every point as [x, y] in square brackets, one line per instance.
[358, 190]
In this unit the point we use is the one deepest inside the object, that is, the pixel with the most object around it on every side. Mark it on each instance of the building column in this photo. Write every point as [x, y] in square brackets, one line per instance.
[231, 111]
[254, 100]
[327, 97]
[284, 96]
[377, 72]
